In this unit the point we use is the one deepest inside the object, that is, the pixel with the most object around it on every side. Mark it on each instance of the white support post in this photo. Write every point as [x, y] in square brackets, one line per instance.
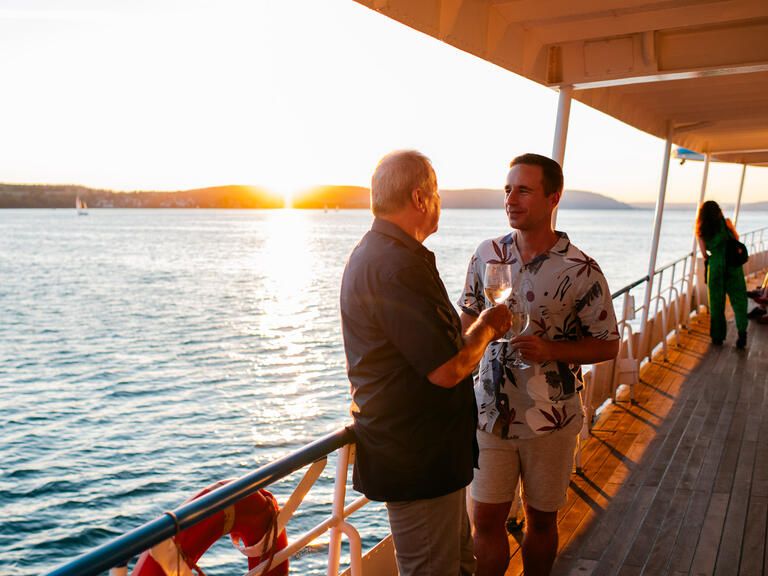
[644, 336]
[694, 247]
[561, 131]
[339, 497]
[738, 200]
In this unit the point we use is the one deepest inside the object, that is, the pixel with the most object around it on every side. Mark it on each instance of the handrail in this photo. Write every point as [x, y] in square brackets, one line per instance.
[755, 231]
[122, 549]
[629, 287]
[669, 265]
[682, 258]
[645, 278]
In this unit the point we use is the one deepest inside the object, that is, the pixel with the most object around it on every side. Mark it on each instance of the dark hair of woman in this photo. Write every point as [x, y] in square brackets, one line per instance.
[708, 220]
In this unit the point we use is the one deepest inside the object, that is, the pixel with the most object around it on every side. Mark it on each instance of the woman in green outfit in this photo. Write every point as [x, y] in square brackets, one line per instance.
[713, 230]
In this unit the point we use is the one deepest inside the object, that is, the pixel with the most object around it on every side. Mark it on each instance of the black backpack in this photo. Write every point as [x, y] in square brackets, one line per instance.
[735, 252]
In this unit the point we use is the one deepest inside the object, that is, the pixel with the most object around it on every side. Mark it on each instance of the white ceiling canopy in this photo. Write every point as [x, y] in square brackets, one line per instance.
[695, 69]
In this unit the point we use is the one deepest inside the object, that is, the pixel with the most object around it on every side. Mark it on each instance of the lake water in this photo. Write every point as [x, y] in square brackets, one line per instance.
[145, 354]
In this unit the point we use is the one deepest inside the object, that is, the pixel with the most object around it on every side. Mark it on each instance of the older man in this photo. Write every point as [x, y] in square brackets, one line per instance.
[409, 365]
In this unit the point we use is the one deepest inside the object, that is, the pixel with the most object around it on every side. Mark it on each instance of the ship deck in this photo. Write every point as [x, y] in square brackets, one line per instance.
[678, 482]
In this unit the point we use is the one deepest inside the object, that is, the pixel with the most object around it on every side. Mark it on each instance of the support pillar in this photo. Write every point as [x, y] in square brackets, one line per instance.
[738, 200]
[645, 348]
[692, 273]
[561, 131]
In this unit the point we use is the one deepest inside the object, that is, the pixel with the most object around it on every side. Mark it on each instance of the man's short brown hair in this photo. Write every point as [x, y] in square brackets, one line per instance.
[552, 173]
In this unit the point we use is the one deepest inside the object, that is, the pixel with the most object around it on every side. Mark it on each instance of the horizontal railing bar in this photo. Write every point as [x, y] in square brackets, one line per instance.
[646, 277]
[122, 549]
[686, 256]
[629, 287]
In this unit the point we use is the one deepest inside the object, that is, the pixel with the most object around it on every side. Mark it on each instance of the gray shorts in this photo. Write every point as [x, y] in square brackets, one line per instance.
[432, 537]
[544, 463]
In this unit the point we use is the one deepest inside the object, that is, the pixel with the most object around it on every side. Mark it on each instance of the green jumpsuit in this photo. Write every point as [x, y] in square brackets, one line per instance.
[722, 280]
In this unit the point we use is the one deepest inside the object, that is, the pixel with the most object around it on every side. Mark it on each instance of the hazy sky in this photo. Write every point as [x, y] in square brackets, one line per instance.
[286, 94]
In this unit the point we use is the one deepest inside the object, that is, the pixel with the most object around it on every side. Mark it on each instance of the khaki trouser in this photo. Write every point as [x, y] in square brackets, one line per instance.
[432, 537]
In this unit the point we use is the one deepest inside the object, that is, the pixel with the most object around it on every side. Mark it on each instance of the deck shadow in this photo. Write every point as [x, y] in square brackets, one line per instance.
[677, 484]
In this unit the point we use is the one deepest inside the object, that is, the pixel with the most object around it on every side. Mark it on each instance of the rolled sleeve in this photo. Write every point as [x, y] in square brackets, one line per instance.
[472, 301]
[595, 310]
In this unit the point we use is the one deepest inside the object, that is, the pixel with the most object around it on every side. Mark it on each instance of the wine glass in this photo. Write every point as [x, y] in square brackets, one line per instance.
[520, 318]
[497, 285]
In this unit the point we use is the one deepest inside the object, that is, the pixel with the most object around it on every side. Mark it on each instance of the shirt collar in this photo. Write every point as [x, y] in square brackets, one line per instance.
[394, 231]
[560, 247]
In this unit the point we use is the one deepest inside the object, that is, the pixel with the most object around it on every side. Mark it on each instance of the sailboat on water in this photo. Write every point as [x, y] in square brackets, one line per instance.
[81, 206]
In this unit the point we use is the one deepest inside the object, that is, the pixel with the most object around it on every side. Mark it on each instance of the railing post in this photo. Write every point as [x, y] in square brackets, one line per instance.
[664, 327]
[676, 317]
[561, 131]
[685, 294]
[617, 363]
[644, 336]
[339, 497]
[658, 280]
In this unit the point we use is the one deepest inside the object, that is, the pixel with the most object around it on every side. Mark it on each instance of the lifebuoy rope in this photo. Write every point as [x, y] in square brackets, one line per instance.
[180, 554]
[268, 542]
[271, 540]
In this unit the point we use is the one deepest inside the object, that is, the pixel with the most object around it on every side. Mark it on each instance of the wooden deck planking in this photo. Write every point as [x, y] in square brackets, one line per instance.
[677, 484]
[735, 521]
[754, 538]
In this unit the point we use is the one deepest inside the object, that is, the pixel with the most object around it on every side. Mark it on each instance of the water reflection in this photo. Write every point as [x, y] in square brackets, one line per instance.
[287, 269]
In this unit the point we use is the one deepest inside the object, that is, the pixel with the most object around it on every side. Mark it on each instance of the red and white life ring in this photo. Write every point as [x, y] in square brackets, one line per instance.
[252, 521]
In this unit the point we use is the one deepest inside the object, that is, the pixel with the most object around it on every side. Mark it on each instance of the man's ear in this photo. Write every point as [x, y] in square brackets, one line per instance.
[417, 198]
[555, 198]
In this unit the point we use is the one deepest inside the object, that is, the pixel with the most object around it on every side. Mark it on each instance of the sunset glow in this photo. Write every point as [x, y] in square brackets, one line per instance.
[285, 95]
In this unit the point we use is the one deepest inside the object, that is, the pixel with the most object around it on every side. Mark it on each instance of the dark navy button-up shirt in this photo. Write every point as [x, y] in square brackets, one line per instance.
[415, 439]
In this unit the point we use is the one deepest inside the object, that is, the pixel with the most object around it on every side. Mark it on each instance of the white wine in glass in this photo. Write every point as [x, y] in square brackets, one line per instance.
[497, 285]
[497, 282]
[497, 294]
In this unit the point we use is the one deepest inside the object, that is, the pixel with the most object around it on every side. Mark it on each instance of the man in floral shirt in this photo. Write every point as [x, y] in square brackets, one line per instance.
[529, 417]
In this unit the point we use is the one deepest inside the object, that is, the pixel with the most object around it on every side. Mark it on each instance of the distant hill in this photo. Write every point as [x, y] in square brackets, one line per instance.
[472, 198]
[359, 197]
[344, 197]
[63, 196]
[692, 206]
[583, 200]
[490, 198]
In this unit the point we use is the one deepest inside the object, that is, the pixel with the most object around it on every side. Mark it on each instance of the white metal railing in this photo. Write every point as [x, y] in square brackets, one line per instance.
[678, 294]
[756, 242]
[670, 308]
[337, 524]
[156, 534]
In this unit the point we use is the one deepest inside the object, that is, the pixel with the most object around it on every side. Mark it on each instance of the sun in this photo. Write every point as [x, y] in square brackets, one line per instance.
[284, 192]
[287, 199]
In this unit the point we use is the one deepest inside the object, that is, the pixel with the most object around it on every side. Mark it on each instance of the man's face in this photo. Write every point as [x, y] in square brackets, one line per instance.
[527, 206]
[433, 210]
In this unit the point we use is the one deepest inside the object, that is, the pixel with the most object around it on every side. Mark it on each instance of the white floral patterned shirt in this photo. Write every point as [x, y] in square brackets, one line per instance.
[568, 298]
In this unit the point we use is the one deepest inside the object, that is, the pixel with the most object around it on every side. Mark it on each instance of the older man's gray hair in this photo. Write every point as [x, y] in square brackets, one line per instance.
[396, 176]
